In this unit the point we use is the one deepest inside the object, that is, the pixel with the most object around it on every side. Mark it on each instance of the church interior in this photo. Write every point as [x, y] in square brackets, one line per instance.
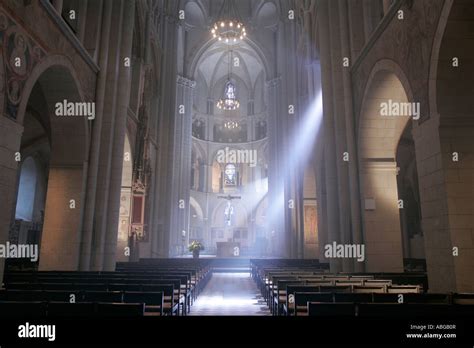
[212, 158]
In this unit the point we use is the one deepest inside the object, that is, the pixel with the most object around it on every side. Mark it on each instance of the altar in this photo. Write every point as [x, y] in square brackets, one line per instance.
[228, 249]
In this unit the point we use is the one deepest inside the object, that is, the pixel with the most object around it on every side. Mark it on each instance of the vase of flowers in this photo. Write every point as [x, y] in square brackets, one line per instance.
[195, 247]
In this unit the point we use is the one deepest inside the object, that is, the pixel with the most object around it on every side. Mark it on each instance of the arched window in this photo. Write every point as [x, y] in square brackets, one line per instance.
[230, 175]
[27, 190]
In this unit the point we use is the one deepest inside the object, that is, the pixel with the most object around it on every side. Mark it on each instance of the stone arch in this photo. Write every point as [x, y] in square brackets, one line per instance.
[54, 80]
[200, 54]
[378, 137]
[53, 61]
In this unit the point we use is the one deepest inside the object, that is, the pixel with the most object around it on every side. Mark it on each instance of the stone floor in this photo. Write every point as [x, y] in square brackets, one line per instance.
[230, 294]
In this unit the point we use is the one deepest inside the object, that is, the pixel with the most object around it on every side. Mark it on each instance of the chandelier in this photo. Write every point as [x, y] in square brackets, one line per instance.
[229, 102]
[231, 125]
[228, 28]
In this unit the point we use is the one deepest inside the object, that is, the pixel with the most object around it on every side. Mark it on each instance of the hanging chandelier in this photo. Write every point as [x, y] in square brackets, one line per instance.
[231, 125]
[229, 27]
[229, 102]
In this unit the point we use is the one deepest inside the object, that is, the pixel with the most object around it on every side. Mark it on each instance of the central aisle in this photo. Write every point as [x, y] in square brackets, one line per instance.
[230, 294]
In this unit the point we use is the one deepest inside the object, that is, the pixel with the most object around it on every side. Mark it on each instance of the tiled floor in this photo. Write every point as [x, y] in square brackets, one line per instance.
[230, 294]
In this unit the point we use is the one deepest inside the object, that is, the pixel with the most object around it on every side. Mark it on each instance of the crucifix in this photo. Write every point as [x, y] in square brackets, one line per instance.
[229, 209]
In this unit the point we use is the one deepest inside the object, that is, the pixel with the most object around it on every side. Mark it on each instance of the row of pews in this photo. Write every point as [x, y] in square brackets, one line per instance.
[164, 287]
[307, 288]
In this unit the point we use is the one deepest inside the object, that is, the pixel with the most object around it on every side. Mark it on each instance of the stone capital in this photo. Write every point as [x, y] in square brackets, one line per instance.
[273, 82]
[183, 81]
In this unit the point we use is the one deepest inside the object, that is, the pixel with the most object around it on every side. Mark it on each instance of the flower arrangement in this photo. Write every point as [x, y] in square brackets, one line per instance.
[195, 246]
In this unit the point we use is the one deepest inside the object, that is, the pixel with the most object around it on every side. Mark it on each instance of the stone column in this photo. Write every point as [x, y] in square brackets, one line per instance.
[340, 130]
[383, 236]
[89, 210]
[164, 203]
[353, 174]
[330, 155]
[456, 135]
[181, 184]
[290, 161]
[123, 98]
[446, 194]
[10, 140]
[106, 138]
[275, 215]
[106, 142]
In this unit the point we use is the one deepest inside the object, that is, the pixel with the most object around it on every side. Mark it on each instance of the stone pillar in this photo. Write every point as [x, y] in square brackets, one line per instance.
[106, 139]
[351, 147]
[123, 98]
[181, 184]
[60, 241]
[446, 194]
[330, 155]
[459, 188]
[90, 200]
[164, 203]
[383, 236]
[290, 162]
[275, 216]
[339, 116]
[10, 140]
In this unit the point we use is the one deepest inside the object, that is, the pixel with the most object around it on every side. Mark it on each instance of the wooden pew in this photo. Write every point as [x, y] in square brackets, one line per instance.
[331, 309]
[302, 299]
